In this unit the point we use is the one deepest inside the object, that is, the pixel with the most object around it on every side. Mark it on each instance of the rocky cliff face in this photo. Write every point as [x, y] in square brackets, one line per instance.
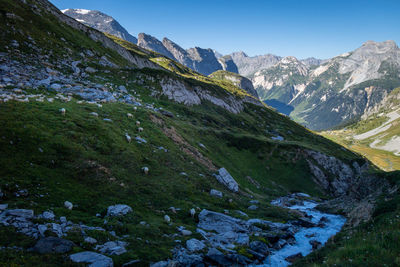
[151, 43]
[178, 53]
[101, 22]
[204, 60]
[228, 64]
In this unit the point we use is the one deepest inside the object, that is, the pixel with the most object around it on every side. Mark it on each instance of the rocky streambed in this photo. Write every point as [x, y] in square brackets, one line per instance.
[307, 239]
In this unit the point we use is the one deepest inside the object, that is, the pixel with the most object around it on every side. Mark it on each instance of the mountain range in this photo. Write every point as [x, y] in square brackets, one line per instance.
[319, 94]
[117, 155]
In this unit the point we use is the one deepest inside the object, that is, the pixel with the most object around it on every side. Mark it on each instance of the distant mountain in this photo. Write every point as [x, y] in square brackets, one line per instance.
[199, 59]
[228, 64]
[341, 89]
[249, 65]
[101, 22]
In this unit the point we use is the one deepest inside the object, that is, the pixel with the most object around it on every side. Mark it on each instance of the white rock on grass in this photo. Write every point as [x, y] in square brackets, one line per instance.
[62, 111]
[226, 179]
[145, 170]
[192, 212]
[167, 219]
[215, 193]
[118, 210]
[128, 138]
[68, 205]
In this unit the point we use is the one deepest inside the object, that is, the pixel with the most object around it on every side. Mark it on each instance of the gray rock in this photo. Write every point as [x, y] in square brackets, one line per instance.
[42, 229]
[3, 207]
[186, 232]
[48, 215]
[160, 264]
[215, 193]
[27, 214]
[94, 259]
[221, 223]
[259, 247]
[252, 207]
[68, 205]
[130, 263]
[63, 219]
[294, 257]
[53, 245]
[90, 240]
[122, 89]
[118, 210]
[194, 245]
[226, 179]
[55, 86]
[112, 248]
[90, 70]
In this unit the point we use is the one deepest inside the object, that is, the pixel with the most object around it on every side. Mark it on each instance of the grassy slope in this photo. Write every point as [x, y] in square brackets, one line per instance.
[88, 161]
[384, 159]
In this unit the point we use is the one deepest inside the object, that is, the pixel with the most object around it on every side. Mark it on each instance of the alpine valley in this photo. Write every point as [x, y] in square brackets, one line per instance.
[130, 151]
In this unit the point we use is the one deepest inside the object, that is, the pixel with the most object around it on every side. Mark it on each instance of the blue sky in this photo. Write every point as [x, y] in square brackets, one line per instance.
[301, 28]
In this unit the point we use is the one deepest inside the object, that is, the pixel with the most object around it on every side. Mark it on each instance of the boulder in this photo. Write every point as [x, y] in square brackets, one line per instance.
[90, 240]
[252, 207]
[52, 244]
[227, 180]
[118, 210]
[68, 205]
[315, 244]
[112, 248]
[294, 257]
[215, 193]
[194, 245]
[27, 214]
[95, 259]
[90, 70]
[221, 223]
[48, 215]
[259, 247]
[186, 232]
[122, 89]
[228, 260]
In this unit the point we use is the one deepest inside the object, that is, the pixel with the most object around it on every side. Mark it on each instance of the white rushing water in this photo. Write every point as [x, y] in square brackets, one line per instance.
[303, 237]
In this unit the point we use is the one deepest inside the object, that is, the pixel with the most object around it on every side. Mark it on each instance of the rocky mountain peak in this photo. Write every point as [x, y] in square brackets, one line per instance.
[228, 64]
[204, 60]
[290, 59]
[149, 42]
[100, 21]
